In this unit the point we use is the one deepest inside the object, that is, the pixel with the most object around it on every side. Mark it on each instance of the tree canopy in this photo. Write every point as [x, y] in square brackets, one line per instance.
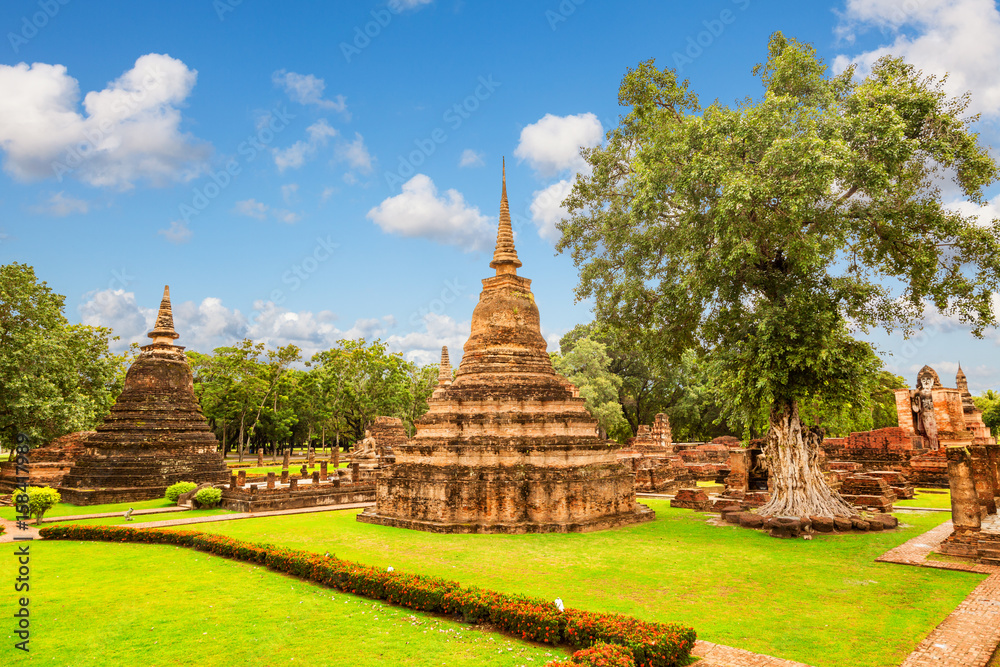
[55, 377]
[765, 235]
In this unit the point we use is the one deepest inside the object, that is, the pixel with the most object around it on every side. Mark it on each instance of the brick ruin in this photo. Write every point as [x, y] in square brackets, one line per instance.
[974, 481]
[508, 446]
[48, 463]
[154, 436]
[931, 418]
[662, 466]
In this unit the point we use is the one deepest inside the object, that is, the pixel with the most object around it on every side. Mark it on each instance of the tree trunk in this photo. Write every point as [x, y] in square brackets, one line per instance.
[791, 457]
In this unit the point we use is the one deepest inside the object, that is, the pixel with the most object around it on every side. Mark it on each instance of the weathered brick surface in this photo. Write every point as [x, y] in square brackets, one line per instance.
[47, 464]
[155, 434]
[508, 446]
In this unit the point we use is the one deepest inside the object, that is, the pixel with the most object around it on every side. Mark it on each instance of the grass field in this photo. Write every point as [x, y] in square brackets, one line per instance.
[95, 603]
[293, 468]
[824, 602]
[65, 509]
[928, 498]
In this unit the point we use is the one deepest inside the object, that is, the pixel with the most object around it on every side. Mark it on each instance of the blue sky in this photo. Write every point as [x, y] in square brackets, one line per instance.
[307, 171]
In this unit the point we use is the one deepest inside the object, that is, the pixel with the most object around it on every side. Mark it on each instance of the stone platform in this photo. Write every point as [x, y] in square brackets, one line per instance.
[508, 446]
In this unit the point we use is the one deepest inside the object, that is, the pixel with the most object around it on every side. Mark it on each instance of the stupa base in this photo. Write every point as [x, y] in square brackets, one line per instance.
[110, 495]
[641, 514]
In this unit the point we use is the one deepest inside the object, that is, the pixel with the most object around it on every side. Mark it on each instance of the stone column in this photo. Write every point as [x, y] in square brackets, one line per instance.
[260, 457]
[964, 500]
[303, 472]
[336, 455]
[232, 481]
[284, 476]
[993, 466]
[293, 484]
[312, 457]
[270, 480]
[355, 472]
[315, 478]
[241, 478]
[286, 460]
[322, 471]
[982, 476]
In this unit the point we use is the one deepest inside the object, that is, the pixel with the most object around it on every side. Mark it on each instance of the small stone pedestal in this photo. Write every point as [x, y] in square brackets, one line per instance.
[284, 476]
[303, 472]
[241, 478]
[293, 484]
[322, 471]
[270, 480]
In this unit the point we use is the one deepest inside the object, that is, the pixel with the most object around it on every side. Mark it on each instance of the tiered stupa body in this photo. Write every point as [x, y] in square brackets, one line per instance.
[508, 446]
[155, 435]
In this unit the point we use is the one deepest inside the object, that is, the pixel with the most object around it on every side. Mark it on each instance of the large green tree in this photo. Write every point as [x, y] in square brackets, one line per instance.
[767, 233]
[587, 365]
[55, 377]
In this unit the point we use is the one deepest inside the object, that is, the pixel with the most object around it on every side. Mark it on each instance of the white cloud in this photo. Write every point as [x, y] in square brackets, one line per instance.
[178, 232]
[255, 209]
[251, 208]
[985, 214]
[419, 212]
[471, 158]
[59, 205]
[355, 153]
[118, 309]
[308, 89]
[403, 5]
[202, 327]
[960, 38]
[424, 347]
[552, 145]
[328, 192]
[295, 155]
[547, 209]
[289, 192]
[130, 130]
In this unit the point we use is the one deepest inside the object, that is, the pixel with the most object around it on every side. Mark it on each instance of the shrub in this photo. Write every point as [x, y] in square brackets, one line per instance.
[40, 500]
[635, 642]
[208, 497]
[598, 655]
[176, 490]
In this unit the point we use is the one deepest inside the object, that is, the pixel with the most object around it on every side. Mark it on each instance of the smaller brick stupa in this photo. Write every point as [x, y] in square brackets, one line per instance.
[508, 446]
[155, 435]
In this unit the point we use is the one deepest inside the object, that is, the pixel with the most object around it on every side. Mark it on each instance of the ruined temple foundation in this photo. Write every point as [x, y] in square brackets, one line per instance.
[154, 436]
[930, 419]
[47, 464]
[508, 447]
[974, 481]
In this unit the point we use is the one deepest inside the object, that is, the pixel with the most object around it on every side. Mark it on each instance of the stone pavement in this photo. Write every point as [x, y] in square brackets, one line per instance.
[717, 655]
[969, 635]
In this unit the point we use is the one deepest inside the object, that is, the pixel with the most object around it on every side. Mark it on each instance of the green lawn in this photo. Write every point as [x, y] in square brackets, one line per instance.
[95, 603]
[922, 498]
[292, 469]
[824, 602]
[120, 520]
[65, 509]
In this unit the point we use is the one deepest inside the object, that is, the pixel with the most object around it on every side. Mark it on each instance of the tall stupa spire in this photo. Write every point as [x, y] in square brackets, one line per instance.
[505, 256]
[163, 330]
[444, 373]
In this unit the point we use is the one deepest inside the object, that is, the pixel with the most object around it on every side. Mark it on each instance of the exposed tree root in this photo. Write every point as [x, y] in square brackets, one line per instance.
[791, 457]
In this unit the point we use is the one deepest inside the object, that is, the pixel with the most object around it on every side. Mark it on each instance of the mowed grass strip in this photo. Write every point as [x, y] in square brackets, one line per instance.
[824, 602]
[65, 509]
[933, 498]
[97, 603]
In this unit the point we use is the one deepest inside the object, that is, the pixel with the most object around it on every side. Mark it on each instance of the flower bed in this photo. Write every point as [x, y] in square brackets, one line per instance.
[533, 619]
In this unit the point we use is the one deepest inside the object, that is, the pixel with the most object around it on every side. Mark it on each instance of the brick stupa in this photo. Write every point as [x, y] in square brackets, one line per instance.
[155, 435]
[508, 446]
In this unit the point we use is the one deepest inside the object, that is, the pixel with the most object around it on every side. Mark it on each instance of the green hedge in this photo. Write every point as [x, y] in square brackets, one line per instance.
[534, 619]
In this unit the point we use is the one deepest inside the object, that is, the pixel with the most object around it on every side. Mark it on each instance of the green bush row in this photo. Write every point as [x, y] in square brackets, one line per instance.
[650, 644]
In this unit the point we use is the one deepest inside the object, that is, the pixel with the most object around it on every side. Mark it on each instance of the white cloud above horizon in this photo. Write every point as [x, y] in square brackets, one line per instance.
[552, 144]
[129, 131]
[296, 155]
[419, 212]
[960, 38]
[60, 205]
[252, 208]
[308, 89]
[471, 158]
